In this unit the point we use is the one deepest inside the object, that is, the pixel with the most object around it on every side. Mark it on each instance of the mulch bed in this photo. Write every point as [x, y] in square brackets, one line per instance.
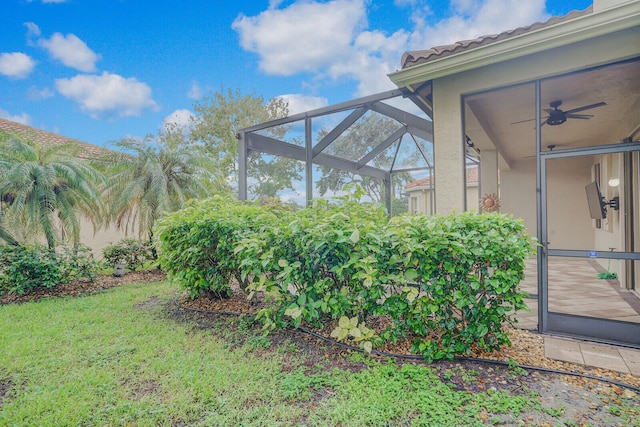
[527, 347]
[80, 287]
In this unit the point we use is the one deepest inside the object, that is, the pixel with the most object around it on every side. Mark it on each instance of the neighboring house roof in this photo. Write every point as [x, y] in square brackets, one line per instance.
[472, 178]
[410, 59]
[89, 151]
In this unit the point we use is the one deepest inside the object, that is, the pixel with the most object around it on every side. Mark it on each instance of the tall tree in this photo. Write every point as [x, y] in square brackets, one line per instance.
[218, 119]
[46, 189]
[153, 176]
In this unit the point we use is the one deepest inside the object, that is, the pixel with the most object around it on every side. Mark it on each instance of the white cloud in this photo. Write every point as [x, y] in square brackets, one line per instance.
[474, 19]
[179, 118]
[195, 92]
[21, 118]
[306, 36]
[331, 39]
[71, 51]
[16, 65]
[300, 103]
[35, 94]
[108, 95]
[33, 31]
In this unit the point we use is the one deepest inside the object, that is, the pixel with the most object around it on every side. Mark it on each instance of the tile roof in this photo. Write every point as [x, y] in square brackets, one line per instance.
[472, 178]
[413, 58]
[89, 151]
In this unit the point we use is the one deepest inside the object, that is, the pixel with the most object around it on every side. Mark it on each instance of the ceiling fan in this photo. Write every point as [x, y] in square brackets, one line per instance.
[557, 116]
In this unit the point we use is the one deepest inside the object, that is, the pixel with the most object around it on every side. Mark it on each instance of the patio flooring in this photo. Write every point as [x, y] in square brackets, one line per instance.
[574, 288]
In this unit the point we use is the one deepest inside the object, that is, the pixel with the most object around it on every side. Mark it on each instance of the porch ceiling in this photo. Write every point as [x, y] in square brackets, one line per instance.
[503, 119]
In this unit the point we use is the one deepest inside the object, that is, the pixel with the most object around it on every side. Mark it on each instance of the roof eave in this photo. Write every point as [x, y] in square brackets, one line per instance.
[567, 32]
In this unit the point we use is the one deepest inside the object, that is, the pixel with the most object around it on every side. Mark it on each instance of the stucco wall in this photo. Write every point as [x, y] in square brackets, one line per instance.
[518, 193]
[424, 199]
[101, 238]
[569, 223]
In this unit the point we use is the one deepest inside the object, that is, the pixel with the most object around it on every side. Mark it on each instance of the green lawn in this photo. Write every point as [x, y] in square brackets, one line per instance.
[119, 358]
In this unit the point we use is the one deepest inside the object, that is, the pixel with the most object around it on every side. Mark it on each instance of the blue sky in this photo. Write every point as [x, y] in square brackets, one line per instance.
[101, 70]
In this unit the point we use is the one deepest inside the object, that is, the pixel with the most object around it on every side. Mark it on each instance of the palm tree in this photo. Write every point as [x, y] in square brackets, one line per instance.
[45, 189]
[150, 178]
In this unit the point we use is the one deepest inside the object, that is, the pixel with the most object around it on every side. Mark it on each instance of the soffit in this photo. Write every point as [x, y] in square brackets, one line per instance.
[502, 119]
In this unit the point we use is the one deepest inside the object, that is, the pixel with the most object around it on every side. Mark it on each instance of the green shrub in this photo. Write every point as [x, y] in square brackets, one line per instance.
[466, 269]
[129, 251]
[197, 244]
[78, 263]
[25, 267]
[320, 263]
[449, 282]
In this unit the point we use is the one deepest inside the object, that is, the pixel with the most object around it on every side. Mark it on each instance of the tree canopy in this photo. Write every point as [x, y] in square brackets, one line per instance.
[153, 176]
[219, 117]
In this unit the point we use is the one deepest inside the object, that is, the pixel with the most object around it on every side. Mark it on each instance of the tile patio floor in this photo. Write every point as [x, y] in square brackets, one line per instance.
[574, 288]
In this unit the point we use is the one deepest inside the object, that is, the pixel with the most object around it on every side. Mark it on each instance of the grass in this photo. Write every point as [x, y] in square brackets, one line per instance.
[117, 358]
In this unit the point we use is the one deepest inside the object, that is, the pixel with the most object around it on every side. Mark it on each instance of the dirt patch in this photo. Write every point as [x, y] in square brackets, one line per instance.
[149, 304]
[139, 391]
[5, 386]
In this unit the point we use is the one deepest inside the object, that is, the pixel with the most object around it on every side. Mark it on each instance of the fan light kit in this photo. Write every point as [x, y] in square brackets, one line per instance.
[556, 116]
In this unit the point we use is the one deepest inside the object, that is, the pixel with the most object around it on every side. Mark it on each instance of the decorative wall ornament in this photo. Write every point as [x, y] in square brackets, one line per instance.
[490, 202]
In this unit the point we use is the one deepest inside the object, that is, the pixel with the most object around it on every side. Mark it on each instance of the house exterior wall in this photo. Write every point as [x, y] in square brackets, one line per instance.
[448, 92]
[102, 238]
[569, 225]
[420, 198]
[448, 146]
[518, 192]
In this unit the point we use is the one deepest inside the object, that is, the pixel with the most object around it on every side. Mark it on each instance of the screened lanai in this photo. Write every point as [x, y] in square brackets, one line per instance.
[373, 141]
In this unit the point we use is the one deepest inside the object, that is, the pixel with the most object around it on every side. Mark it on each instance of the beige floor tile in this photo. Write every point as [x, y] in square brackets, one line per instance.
[599, 349]
[561, 349]
[606, 361]
[632, 359]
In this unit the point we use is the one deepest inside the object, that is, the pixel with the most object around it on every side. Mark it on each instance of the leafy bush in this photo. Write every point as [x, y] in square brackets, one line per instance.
[466, 269]
[320, 263]
[448, 282]
[197, 244]
[129, 251]
[78, 263]
[26, 267]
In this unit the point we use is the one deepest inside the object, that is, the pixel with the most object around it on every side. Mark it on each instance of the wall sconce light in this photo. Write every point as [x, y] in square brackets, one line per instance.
[614, 182]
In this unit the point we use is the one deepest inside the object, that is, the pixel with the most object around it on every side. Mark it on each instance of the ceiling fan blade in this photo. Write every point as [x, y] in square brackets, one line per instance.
[522, 121]
[544, 119]
[548, 110]
[586, 107]
[579, 116]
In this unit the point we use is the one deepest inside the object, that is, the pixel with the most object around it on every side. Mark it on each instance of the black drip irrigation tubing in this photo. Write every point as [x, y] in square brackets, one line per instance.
[419, 358]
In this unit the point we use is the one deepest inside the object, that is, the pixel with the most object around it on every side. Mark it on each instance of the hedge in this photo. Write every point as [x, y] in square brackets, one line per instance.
[447, 283]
